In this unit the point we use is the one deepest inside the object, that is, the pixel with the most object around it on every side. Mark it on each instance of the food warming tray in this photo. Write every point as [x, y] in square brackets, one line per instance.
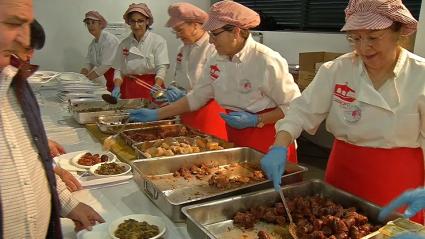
[155, 132]
[111, 124]
[87, 111]
[214, 219]
[155, 178]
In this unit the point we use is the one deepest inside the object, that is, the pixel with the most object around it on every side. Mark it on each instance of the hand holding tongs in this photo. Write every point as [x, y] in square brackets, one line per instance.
[157, 92]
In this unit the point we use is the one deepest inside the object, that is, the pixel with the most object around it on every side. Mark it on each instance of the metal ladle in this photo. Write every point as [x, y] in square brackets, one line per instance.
[292, 227]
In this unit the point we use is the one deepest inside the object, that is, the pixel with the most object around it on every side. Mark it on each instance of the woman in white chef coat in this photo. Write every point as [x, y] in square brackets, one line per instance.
[373, 101]
[142, 56]
[251, 81]
[186, 21]
[101, 52]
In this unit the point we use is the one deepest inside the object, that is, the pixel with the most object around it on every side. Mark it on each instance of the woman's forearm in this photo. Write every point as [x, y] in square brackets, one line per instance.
[179, 107]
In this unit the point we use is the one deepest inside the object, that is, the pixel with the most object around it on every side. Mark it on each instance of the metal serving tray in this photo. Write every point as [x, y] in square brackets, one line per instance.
[173, 130]
[111, 124]
[214, 219]
[170, 194]
[142, 147]
[87, 111]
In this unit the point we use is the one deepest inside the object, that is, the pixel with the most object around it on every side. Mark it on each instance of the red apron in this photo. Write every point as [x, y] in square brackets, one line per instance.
[109, 76]
[375, 174]
[207, 119]
[131, 90]
[259, 139]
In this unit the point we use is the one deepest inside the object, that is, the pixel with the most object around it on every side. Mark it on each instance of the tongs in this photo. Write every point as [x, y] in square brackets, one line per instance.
[292, 227]
[111, 140]
[157, 93]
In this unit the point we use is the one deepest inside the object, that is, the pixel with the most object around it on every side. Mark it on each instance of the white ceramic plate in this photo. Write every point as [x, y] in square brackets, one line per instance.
[94, 167]
[74, 160]
[152, 220]
[84, 234]
[42, 76]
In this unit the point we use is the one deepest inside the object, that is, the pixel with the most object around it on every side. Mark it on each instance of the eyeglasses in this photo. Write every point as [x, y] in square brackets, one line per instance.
[91, 22]
[356, 40]
[134, 22]
[215, 34]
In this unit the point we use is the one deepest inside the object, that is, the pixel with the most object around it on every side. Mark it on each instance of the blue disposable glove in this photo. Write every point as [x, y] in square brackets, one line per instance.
[173, 93]
[143, 115]
[414, 199]
[116, 92]
[240, 119]
[273, 164]
[408, 236]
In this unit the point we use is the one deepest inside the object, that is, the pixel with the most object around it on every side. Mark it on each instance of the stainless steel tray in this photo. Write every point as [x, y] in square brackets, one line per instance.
[155, 178]
[87, 111]
[156, 132]
[214, 219]
[111, 124]
[142, 148]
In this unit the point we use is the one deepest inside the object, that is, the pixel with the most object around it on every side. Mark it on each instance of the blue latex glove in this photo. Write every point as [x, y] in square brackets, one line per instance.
[116, 92]
[240, 119]
[273, 164]
[143, 115]
[408, 236]
[173, 93]
[414, 199]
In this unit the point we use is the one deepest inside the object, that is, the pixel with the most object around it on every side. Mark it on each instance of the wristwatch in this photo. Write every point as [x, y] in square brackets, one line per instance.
[260, 123]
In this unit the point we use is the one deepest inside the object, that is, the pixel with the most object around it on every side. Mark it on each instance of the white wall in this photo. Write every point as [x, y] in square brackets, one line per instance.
[68, 38]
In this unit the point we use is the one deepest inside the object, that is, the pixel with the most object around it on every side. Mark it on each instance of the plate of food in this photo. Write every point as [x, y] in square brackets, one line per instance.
[86, 159]
[110, 169]
[137, 226]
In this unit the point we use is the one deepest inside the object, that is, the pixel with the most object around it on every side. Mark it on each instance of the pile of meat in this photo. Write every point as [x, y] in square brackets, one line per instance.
[315, 217]
[154, 133]
[222, 181]
[179, 145]
[89, 159]
[218, 178]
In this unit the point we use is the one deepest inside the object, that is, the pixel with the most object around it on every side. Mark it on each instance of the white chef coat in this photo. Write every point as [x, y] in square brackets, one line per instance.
[191, 60]
[392, 116]
[257, 78]
[101, 53]
[149, 56]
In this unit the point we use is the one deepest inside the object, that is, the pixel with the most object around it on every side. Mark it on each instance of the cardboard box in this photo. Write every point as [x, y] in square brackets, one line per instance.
[310, 63]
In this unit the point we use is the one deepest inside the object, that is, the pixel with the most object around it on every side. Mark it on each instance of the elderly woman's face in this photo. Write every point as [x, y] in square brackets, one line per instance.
[138, 23]
[187, 32]
[223, 40]
[377, 48]
[93, 26]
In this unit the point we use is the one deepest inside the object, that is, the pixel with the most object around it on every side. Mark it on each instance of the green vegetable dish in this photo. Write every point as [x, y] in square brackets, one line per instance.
[132, 229]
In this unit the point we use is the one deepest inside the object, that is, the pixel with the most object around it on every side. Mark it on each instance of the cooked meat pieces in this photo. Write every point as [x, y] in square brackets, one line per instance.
[219, 181]
[315, 217]
[246, 220]
[89, 159]
[178, 145]
[263, 235]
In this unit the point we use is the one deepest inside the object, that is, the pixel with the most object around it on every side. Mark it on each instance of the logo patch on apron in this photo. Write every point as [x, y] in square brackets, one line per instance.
[214, 70]
[245, 86]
